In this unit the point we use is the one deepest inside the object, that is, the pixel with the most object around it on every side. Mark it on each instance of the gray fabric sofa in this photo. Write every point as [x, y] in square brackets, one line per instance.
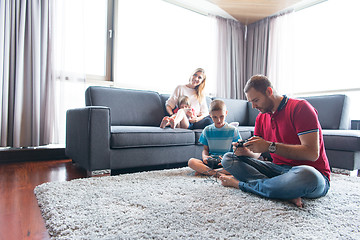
[119, 130]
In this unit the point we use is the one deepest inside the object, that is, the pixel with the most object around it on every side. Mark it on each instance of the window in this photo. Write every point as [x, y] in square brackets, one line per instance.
[81, 39]
[326, 50]
[158, 45]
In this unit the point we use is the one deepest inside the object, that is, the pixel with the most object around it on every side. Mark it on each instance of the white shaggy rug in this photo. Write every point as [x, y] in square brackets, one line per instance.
[174, 204]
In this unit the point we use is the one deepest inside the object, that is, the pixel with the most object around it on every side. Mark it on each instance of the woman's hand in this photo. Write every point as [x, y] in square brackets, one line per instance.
[193, 119]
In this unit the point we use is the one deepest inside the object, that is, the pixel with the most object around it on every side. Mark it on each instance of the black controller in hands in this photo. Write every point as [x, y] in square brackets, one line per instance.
[213, 161]
[241, 143]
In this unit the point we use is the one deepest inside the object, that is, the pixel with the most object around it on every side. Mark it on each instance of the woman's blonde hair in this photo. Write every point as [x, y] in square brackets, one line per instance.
[200, 88]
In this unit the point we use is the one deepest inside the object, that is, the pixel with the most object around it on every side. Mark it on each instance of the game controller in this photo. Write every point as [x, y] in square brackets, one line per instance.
[213, 161]
[241, 143]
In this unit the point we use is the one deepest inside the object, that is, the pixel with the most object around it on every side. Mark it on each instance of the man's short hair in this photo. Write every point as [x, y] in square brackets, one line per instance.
[259, 82]
[217, 105]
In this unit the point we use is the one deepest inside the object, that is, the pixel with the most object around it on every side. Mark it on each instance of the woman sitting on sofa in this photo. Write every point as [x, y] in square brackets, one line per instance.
[194, 90]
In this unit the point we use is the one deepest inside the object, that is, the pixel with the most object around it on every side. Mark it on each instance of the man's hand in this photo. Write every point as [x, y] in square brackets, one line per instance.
[240, 151]
[257, 144]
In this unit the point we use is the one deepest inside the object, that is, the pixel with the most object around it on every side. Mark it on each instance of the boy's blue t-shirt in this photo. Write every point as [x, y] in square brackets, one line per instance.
[219, 139]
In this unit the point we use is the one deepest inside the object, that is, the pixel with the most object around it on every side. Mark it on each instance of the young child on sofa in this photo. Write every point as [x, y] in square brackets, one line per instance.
[217, 139]
[181, 116]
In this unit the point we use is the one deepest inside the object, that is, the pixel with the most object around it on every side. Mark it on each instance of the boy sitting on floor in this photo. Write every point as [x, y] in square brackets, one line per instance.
[217, 139]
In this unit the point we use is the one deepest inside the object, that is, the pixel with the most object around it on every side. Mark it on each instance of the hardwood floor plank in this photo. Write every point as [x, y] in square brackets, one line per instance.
[20, 216]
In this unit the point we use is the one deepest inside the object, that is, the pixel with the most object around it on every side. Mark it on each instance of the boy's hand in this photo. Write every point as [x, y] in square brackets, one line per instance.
[205, 159]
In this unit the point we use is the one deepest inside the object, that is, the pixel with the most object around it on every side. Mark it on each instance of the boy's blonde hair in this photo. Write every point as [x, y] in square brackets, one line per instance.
[183, 100]
[217, 105]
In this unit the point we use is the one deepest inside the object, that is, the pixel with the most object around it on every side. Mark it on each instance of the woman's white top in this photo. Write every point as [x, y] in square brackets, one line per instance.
[183, 90]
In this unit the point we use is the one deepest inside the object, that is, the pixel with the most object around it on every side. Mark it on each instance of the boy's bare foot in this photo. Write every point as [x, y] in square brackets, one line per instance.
[229, 181]
[297, 202]
[172, 123]
[164, 122]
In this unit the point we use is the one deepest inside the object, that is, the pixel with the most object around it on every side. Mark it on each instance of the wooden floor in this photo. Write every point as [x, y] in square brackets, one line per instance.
[20, 216]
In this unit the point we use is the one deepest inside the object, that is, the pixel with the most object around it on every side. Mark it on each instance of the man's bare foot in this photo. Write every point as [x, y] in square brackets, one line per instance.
[164, 122]
[229, 181]
[297, 202]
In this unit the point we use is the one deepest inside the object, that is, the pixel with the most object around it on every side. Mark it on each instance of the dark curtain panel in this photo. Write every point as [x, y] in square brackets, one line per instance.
[257, 42]
[230, 58]
[27, 85]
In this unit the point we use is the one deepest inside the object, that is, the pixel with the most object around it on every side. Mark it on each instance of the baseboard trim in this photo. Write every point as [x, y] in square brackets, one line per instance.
[10, 155]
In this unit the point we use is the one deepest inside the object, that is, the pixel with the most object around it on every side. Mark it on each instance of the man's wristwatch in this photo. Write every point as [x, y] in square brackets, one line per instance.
[272, 147]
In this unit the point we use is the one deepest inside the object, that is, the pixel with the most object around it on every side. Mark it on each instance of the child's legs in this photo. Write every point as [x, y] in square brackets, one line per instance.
[181, 119]
[164, 122]
[200, 167]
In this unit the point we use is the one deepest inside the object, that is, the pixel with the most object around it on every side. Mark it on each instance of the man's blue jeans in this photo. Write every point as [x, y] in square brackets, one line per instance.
[276, 181]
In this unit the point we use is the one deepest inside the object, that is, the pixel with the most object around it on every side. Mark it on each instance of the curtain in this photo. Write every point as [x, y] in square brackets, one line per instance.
[281, 40]
[257, 48]
[27, 84]
[230, 58]
[69, 60]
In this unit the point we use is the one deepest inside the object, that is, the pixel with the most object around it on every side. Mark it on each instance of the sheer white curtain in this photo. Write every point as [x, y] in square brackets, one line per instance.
[280, 56]
[230, 58]
[69, 56]
[27, 84]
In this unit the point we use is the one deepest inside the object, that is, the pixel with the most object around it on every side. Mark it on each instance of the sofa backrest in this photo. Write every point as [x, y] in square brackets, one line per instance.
[253, 113]
[333, 110]
[127, 107]
[237, 111]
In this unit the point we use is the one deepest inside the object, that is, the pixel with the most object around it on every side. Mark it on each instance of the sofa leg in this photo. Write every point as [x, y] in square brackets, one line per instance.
[354, 173]
[99, 173]
[351, 173]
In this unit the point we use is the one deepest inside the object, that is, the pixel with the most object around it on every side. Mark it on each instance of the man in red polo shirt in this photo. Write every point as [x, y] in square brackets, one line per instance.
[290, 130]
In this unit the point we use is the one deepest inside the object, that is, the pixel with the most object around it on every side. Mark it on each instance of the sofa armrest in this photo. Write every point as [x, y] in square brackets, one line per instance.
[88, 137]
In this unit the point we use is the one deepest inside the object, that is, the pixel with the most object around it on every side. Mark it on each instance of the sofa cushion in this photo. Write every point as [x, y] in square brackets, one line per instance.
[128, 107]
[343, 140]
[141, 136]
[197, 135]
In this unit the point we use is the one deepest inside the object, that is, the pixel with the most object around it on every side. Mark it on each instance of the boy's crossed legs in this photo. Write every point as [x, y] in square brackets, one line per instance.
[202, 169]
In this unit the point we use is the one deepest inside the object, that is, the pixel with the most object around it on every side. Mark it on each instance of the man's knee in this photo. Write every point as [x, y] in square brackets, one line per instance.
[307, 173]
[228, 158]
